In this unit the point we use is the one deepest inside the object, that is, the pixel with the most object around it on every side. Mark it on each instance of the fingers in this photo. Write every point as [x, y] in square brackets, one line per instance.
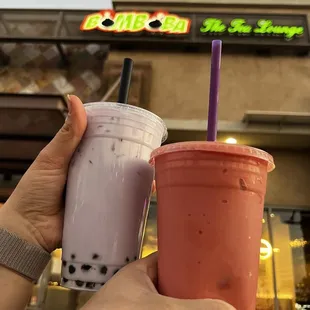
[148, 265]
[62, 147]
[142, 274]
[198, 304]
[129, 288]
[133, 288]
[143, 278]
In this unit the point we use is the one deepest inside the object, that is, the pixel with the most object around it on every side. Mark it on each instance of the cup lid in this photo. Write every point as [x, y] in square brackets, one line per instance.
[147, 115]
[215, 147]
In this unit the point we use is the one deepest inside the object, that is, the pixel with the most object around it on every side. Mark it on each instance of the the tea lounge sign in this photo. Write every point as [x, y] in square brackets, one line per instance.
[135, 22]
[254, 29]
[240, 27]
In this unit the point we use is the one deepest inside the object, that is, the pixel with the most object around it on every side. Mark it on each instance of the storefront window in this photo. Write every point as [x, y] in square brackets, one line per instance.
[265, 286]
[291, 235]
[150, 236]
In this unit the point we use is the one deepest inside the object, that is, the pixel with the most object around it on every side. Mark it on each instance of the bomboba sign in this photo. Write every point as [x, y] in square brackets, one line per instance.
[135, 22]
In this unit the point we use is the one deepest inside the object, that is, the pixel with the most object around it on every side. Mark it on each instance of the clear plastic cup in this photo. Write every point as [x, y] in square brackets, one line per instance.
[108, 191]
[210, 199]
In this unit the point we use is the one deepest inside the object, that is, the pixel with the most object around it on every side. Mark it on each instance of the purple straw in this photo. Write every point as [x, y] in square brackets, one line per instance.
[214, 89]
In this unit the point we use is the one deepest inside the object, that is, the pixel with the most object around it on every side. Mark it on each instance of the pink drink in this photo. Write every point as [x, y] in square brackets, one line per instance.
[108, 190]
[210, 210]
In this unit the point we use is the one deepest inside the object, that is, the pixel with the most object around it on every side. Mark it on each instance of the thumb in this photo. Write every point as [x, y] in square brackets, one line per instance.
[141, 274]
[63, 145]
[148, 266]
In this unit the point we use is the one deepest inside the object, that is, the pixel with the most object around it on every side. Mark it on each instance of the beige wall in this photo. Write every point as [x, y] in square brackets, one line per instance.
[181, 82]
[288, 184]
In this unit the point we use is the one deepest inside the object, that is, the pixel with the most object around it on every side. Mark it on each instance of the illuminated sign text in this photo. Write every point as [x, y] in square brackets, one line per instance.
[135, 22]
[239, 26]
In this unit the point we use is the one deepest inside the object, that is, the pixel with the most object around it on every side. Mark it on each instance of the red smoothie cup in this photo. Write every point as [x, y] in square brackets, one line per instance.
[210, 199]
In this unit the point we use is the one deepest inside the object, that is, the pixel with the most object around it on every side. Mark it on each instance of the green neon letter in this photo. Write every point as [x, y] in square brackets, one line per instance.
[294, 31]
[263, 25]
[238, 25]
[91, 21]
[140, 21]
[214, 25]
[169, 23]
[181, 26]
[122, 22]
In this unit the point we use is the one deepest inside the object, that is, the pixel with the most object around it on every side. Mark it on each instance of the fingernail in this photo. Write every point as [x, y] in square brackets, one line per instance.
[69, 103]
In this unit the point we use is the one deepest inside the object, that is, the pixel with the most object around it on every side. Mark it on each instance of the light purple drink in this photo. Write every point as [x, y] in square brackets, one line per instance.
[108, 191]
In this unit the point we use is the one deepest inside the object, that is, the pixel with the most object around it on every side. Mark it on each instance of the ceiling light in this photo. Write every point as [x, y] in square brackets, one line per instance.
[231, 141]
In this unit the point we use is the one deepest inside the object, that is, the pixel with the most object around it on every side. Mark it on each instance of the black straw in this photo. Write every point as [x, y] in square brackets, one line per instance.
[125, 81]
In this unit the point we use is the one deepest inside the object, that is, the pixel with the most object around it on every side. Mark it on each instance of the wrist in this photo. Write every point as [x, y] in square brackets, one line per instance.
[20, 256]
[13, 222]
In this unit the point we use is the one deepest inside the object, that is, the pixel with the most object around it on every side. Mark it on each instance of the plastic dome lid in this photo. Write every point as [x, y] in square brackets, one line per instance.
[215, 147]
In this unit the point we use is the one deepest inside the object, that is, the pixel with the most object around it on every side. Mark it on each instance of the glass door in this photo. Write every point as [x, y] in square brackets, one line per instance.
[265, 287]
[291, 238]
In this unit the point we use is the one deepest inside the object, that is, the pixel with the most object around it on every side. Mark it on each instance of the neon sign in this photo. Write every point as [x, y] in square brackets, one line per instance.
[265, 249]
[240, 27]
[135, 22]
